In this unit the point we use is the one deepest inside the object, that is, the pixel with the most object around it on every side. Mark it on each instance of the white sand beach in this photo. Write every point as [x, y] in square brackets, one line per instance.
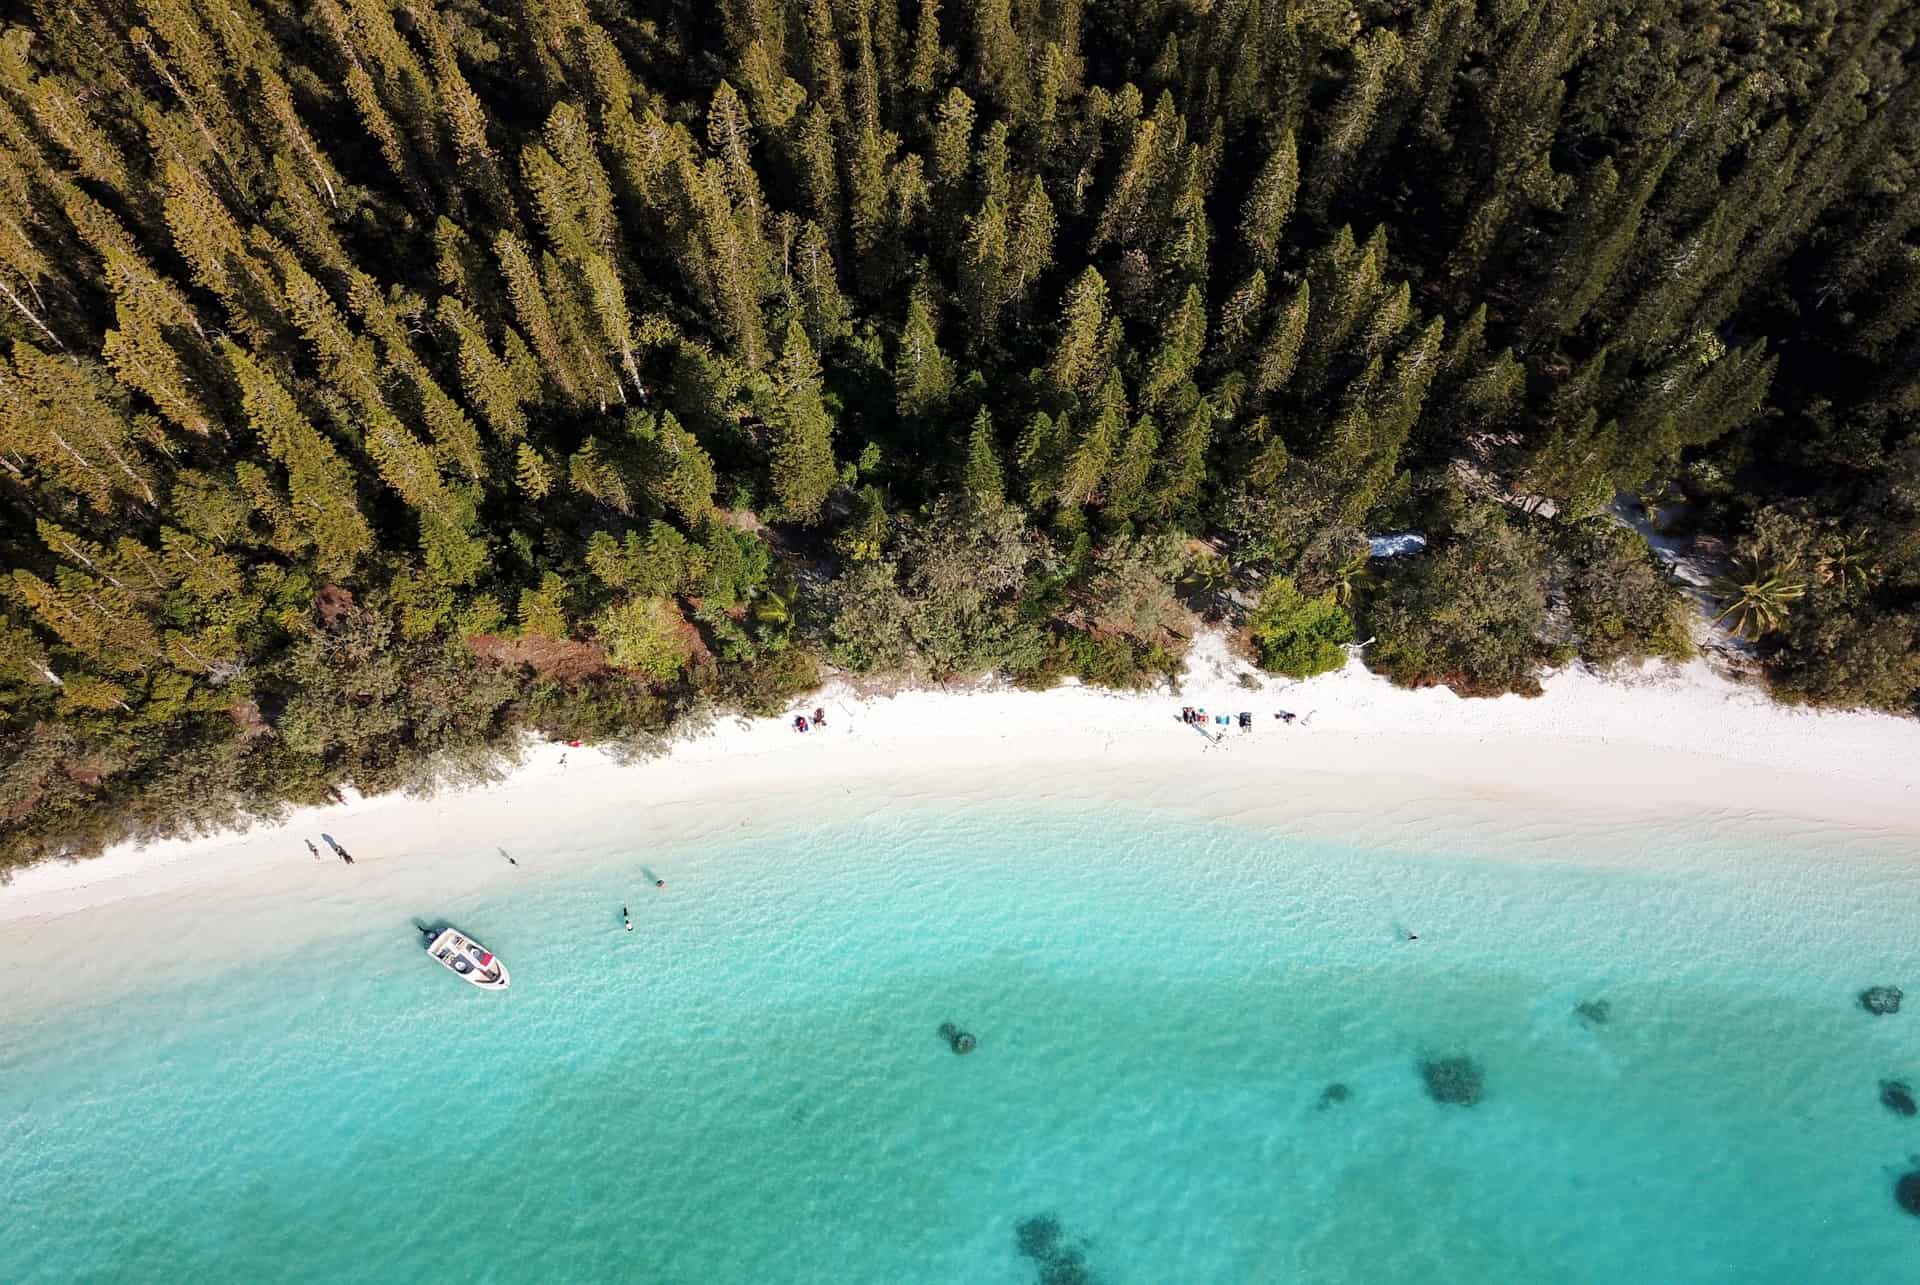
[1598, 769]
[1676, 741]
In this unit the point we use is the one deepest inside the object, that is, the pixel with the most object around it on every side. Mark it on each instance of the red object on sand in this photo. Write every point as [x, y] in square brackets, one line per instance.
[574, 744]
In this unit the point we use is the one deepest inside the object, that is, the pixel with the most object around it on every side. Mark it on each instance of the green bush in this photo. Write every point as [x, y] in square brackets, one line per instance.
[1470, 615]
[1850, 656]
[604, 707]
[1104, 660]
[764, 685]
[1296, 635]
[1623, 608]
[648, 635]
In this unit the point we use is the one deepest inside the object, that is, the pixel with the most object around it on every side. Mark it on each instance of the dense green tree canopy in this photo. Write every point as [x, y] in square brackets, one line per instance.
[378, 377]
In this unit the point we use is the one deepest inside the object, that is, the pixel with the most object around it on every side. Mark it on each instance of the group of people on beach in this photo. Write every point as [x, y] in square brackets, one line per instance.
[338, 851]
[1197, 714]
[626, 916]
[334, 796]
[800, 723]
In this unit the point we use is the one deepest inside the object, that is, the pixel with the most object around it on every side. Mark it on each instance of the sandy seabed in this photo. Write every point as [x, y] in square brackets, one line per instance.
[1361, 761]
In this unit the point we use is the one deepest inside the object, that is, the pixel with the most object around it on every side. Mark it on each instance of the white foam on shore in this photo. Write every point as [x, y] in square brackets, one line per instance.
[1363, 761]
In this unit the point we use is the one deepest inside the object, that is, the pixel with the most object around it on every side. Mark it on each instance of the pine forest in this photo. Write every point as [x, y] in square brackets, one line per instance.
[383, 380]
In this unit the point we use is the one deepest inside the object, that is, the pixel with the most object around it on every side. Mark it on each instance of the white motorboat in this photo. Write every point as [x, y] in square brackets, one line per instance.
[468, 958]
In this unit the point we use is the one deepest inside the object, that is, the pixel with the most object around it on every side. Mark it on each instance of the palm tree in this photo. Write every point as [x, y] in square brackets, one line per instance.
[1652, 498]
[1849, 563]
[1210, 577]
[1351, 577]
[1759, 595]
[773, 617]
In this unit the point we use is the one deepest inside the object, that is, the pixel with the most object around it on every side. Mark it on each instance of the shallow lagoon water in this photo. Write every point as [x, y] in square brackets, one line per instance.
[751, 1086]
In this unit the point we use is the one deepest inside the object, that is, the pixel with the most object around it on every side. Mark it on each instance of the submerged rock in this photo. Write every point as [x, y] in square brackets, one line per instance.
[1594, 1012]
[1068, 1267]
[1333, 1094]
[1881, 1000]
[1039, 1236]
[1455, 1081]
[1907, 1192]
[958, 1040]
[1897, 1097]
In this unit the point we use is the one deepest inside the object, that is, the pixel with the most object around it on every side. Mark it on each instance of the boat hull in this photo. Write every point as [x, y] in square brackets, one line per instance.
[468, 960]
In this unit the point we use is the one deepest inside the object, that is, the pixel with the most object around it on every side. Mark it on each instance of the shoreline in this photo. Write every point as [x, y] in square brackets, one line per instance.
[1665, 740]
[1593, 770]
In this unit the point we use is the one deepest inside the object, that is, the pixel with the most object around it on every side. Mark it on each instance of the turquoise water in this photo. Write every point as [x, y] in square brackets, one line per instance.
[751, 1087]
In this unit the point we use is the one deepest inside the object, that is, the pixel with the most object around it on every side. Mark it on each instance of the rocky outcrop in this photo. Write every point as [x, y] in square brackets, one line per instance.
[1881, 1000]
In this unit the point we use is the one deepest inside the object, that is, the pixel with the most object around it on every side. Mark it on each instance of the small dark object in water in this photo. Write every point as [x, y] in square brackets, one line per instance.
[960, 1041]
[1881, 1000]
[1452, 1080]
[1897, 1097]
[1334, 1093]
[1907, 1192]
[1594, 1012]
[1038, 1236]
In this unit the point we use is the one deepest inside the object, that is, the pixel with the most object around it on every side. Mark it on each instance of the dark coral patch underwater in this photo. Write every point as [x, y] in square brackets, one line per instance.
[1455, 1081]
[1039, 1238]
[1881, 1000]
